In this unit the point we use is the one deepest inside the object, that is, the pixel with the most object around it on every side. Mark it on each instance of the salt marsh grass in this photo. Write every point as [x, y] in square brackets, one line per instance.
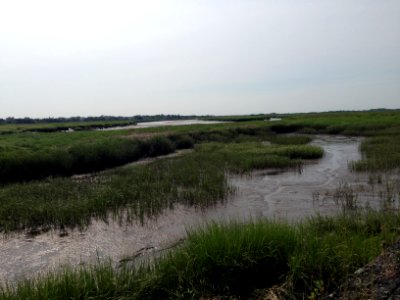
[196, 179]
[81, 157]
[233, 260]
[142, 191]
[54, 127]
[379, 154]
[366, 123]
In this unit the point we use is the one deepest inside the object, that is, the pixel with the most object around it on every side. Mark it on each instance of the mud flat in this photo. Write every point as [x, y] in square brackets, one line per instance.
[300, 193]
[290, 194]
[321, 187]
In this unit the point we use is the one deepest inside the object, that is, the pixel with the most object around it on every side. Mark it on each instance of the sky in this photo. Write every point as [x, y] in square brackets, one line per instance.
[217, 57]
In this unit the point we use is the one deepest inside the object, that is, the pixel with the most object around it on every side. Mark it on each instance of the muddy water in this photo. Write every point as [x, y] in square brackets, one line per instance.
[289, 194]
[162, 123]
[296, 194]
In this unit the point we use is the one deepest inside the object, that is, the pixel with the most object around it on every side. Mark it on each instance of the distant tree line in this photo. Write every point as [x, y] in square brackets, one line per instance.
[137, 118]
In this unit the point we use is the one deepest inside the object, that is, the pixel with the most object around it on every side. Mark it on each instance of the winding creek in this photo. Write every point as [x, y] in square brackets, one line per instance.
[154, 124]
[289, 194]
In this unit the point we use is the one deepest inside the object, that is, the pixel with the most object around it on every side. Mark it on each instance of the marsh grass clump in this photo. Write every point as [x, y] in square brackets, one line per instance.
[290, 139]
[182, 141]
[247, 156]
[332, 248]
[223, 259]
[379, 154]
[300, 152]
[101, 281]
[158, 145]
[345, 198]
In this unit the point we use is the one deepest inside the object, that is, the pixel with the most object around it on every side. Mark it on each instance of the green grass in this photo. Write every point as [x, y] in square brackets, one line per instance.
[141, 191]
[364, 123]
[380, 153]
[28, 156]
[244, 157]
[80, 158]
[223, 259]
[333, 248]
[54, 127]
[195, 179]
[94, 282]
[63, 154]
[233, 260]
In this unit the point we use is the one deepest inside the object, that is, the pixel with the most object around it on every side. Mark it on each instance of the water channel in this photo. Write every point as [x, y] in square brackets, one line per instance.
[290, 194]
[163, 123]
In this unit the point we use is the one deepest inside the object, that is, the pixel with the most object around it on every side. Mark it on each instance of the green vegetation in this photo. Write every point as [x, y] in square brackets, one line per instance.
[332, 248]
[234, 259]
[80, 158]
[366, 123]
[63, 154]
[380, 149]
[380, 153]
[196, 179]
[245, 157]
[29, 156]
[55, 127]
[237, 260]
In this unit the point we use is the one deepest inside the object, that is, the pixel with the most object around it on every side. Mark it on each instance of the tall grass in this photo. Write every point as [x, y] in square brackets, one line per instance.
[223, 259]
[101, 281]
[195, 179]
[232, 260]
[133, 193]
[25, 157]
[81, 158]
[380, 153]
[367, 123]
[54, 127]
[332, 248]
[37, 155]
[245, 157]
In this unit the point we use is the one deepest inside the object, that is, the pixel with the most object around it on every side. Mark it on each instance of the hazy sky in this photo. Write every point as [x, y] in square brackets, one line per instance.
[93, 57]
